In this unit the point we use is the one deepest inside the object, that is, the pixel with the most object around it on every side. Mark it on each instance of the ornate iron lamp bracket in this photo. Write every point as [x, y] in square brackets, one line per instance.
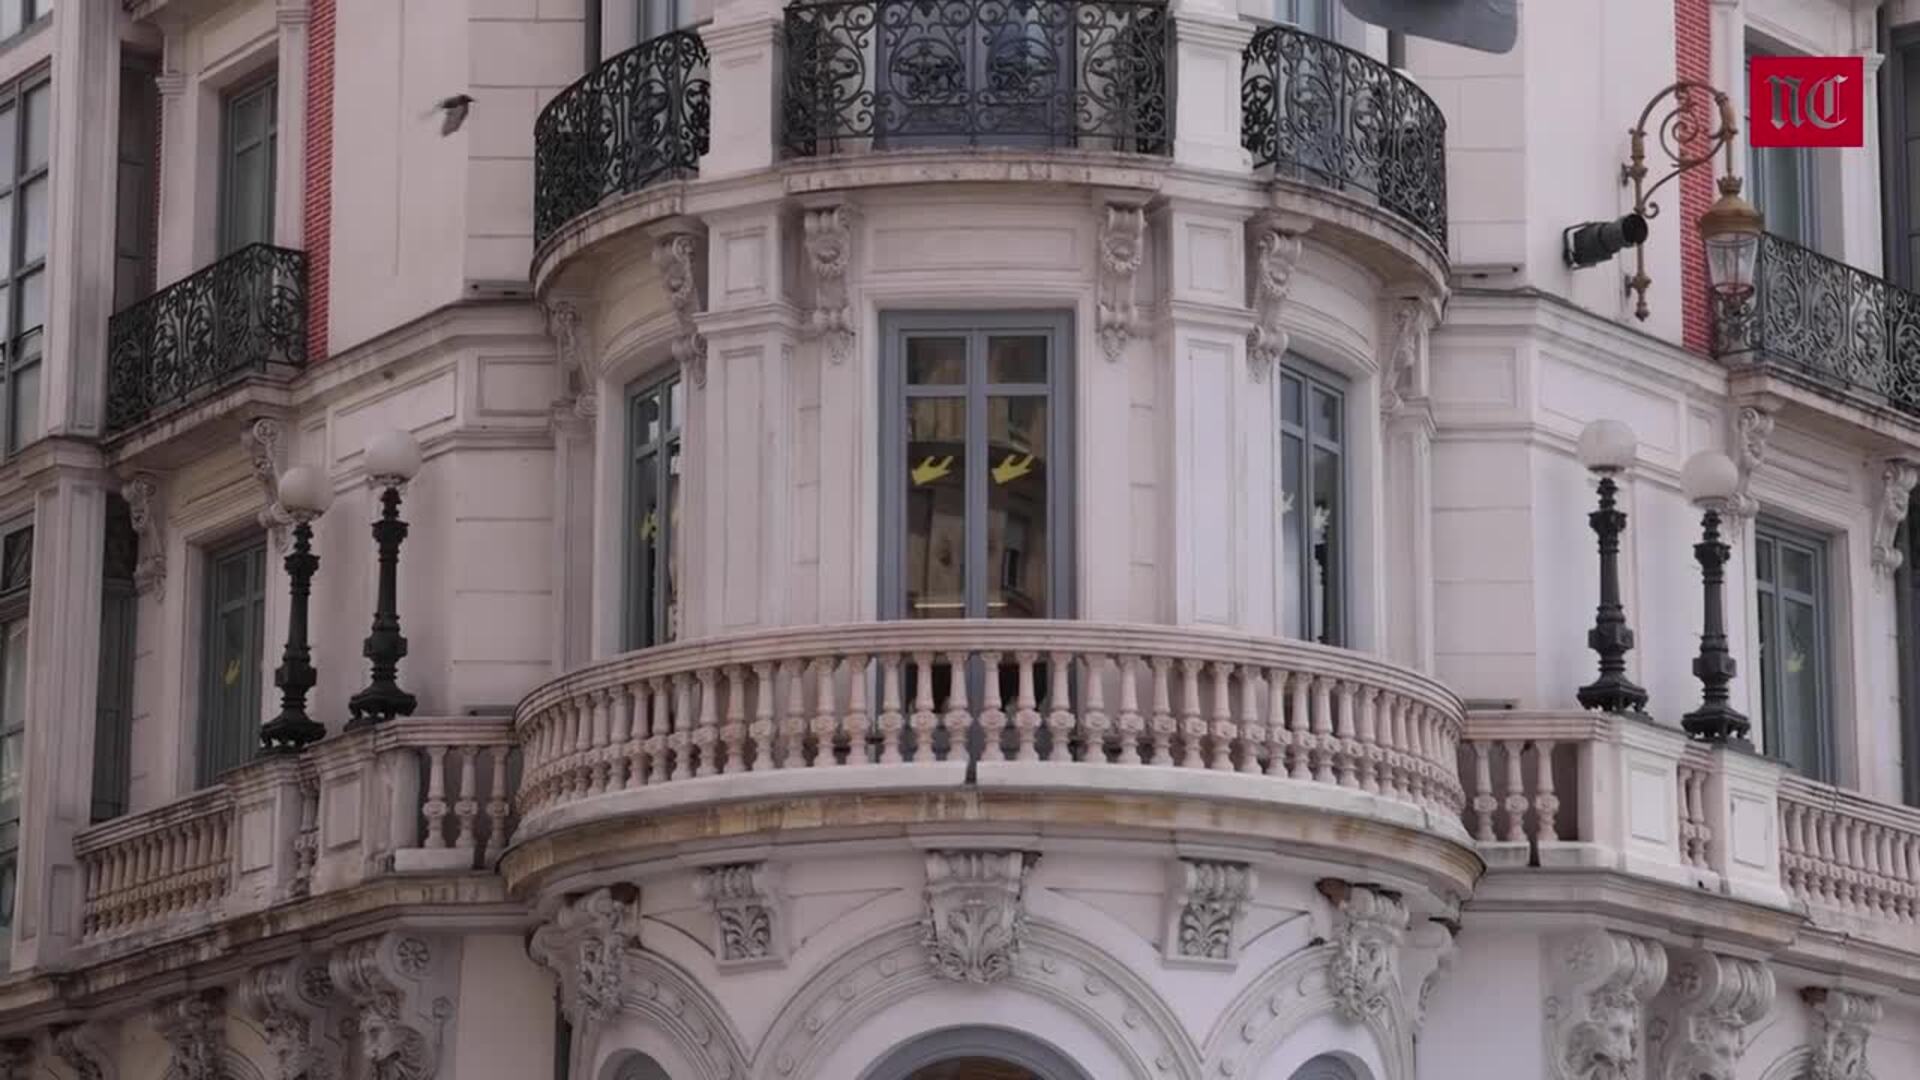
[1681, 135]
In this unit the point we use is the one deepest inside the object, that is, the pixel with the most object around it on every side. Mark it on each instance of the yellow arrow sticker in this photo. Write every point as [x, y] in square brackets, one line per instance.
[649, 525]
[232, 674]
[1015, 467]
[930, 470]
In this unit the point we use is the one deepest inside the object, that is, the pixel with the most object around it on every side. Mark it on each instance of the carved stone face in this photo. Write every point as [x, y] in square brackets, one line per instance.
[1607, 1047]
[378, 1040]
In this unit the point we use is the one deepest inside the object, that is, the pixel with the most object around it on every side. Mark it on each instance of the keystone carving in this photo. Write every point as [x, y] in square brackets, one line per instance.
[1276, 252]
[384, 980]
[563, 325]
[265, 443]
[83, 1049]
[292, 1000]
[1897, 477]
[675, 258]
[1602, 985]
[1843, 1020]
[142, 493]
[745, 911]
[585, 946]
[194, 1026]
[1123, 235]
[975, 921]
[1370, 925]
[1700, 1017]
[829, 246]
[1209, 900]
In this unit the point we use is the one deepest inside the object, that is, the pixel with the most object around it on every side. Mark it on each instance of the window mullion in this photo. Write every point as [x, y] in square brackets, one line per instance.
[976, 477]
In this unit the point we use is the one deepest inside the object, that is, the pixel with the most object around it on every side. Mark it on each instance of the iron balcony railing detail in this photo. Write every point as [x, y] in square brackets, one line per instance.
[245, 313]
[1837, 325]
[891, 74]
[1316, 111]
[639, 118]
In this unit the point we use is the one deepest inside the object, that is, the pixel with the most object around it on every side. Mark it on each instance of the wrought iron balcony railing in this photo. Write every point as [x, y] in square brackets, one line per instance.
[1316, 111]
[245, 313]
[641, 117]
[889, 74]
[1838, 326]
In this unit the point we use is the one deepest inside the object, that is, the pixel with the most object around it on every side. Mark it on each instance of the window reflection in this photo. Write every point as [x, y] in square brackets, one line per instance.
[1312, 507]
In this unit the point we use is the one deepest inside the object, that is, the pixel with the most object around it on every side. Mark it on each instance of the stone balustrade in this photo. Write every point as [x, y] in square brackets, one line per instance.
[422, 795]
[1849, 855]
[1027, 703]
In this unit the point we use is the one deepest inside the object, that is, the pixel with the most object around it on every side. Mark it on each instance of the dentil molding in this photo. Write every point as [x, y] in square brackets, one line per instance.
[264, 441]
[1123, 234]
[828, 243]
[1601, 981]
[747, 916]
[1701, 1016]
[676, 257]
[1208, 900]
[585, 945]
[292, 1000]
[975, 918]
[1370, 926]
[397, 986]
[1897, 477]
[1843, 1022]
[1276, 252]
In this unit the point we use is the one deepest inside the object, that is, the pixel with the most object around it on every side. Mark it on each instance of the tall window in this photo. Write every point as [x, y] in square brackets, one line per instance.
[655, 17]
[975, 467]
[113, 707]
[1780, 180]
[20, 15]
[654, 416]
[232, 644]
[1313, 504]
[1313, 16]
[249, 135]
[16, 575]
[134, 189]
[1795, 669]
[1900, 159]
[25, 126]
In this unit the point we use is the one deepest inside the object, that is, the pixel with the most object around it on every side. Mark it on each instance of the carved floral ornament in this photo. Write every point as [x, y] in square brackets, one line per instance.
[676, 257]
[1602, 983]
[1123, 235]
[1843, 1021]
[264, 441]
[195, 1028]
[1897, 477]
[1210, 898]
[1276, 251]
[1370, 926]
[745, 912]
[829, 246]
[585, 945]
[975, 918]
[385, 980]
[292, 1000]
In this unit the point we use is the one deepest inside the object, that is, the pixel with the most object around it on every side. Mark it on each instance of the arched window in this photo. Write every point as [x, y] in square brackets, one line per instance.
[975, 1054]
[1326, 1067]
[638, 1066]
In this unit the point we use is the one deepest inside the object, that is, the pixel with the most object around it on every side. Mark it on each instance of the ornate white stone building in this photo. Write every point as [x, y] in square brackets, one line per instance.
[950, 540]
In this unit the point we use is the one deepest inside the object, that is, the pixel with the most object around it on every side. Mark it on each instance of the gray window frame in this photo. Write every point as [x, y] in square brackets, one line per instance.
[1761, 165]
[15, 607]
[135, 231]
[113, 707]
[230, 103]
[212, 756]
[31, 16]
[655, 18]
[23, 345]
[1314, 376]
[1287, 12]
[1062, 468]
[1818, 547]
[657, 595]
[1011, 1047]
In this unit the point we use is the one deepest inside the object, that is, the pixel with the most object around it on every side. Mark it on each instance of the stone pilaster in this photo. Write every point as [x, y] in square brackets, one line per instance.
[1406, 511]
[744, 53]
[290, 155]
[1208, 39]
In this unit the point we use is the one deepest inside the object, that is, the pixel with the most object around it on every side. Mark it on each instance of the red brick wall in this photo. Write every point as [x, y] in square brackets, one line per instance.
[1692, 47]
[318, 239]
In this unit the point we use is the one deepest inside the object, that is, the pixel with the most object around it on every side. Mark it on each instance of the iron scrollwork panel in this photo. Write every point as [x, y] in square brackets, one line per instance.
[247, 312]
[877, 74]
[641, 117]
[1315, 111]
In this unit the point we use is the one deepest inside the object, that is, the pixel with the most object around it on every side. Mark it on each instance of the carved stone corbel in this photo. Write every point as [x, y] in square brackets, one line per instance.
[1602, 981]
[389, 983]
[195, 1028]
[1897, 477]
[1370, 926]
[1209, 898]
[264, 440]
[142, 493]
[1843, 1022]
[576, 361]
[1752, 428]
[1413, 318]
[292, 1000]
[85, 1050]
[829, 247]
[1701, 1015]
[676, 256]
[1276, 249]
[1436, 943]
[1123, 234]
[585, 945]
[748, 928]
[975, 920]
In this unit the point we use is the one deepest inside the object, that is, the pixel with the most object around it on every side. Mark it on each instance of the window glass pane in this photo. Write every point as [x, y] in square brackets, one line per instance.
[9, 879]
[672, 629]
[648, 547]
[16, 560]
[41, 7]
[940, 361]
[647, 425]
[33, 300]
[230, 680]
[33, 227]
[6, 234]
[13, 714]
[1290, 397]
[1763, 556]
[8, 133]
[1800, 715]
[1328, 539]
[39, 118]
[1017, 359]
[1326, 415]
[25, 418]
[936, 528]
[1797, 569]
[1293, 578]
[1017, 506]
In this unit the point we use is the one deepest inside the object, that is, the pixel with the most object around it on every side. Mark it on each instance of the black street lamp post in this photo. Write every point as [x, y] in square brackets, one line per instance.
[304, 493]
[1710, 479]
[1607, 447]
[392, 459]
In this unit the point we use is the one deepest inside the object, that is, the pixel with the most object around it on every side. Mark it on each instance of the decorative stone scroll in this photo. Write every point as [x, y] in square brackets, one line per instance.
[1843, 1022]
[829, 246]
[746, 913]
[389, 982]
[1370, 926]
[1602, 982]
[195, 1028]
[1123, 234]
[1209, 900]
[975, 919]
[576, 360]
[264, 440]
[1276, 252]
[1752, 428]
[676, 258]
[85, 1050]
[1413, 319]
[1700, 1018]
[585, 945]
[1897, 477]
[142, 492]
[292, 1001]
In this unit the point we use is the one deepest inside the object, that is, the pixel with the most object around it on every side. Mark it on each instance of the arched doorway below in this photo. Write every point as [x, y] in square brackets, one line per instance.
[1326, 1067]
[975, 1053]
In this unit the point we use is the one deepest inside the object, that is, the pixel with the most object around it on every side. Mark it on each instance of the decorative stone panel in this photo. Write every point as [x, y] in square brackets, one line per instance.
[975, 918]
[1208, 900]
[747, 916]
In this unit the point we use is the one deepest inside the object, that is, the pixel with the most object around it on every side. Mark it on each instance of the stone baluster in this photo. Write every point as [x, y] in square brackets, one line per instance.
[826, 717]
[577, 768]
[959, 715]
[857, 721]
[1163, 722]
[733, 734]
[1300, 726]
[1323, 742]
[1253, 727]
[680, 737]
[1060, 706]
[1348, 735]
[1026, 713]
[891, 722]
[924, 721]
[1484, 804]
[762, 731]
[1221, 728]
[1131, 723]
[597, 761]
[1369, 750]
[660, 735]
[1095, 724]
[637, 764]
[466, 809]
[1517, 801]
[793, 721]
[435, 807]
[1193, 729]
[619, 736]
[1279, 739]
[498, 807]
[993, 714]
[706, 731]
[1546, 804]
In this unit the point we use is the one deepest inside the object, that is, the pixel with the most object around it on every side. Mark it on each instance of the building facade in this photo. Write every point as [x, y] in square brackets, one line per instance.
[978, 540]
